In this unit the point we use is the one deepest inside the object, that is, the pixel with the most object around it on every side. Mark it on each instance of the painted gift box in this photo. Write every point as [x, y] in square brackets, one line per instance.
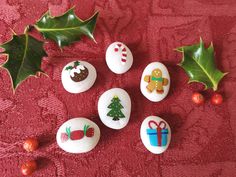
[158, 135]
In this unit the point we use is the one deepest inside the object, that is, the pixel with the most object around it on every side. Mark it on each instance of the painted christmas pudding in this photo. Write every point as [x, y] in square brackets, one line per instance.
[78, 72]
[78, 76]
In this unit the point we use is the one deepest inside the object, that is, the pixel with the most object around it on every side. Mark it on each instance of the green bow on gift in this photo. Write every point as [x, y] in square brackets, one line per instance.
[157, 79]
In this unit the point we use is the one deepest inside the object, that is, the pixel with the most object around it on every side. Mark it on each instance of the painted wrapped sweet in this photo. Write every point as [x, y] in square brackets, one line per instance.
[78, 135]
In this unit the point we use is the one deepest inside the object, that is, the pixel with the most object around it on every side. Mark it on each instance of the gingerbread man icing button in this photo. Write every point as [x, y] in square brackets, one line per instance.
[119, 58]
[78, 76]
[155, 82]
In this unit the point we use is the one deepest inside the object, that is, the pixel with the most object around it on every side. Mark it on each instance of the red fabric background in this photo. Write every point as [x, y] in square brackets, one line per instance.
[203, 139]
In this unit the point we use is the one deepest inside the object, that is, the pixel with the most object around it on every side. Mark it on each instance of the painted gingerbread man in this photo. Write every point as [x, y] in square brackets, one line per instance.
[156, 81]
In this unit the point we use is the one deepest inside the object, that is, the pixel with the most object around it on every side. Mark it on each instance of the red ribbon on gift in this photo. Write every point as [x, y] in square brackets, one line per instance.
[159, 128]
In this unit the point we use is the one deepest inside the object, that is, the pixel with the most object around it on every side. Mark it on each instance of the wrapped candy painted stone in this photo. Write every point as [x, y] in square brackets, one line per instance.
[155, 82]
[114, 107]
[119, 58]
[155, 134]
[78, 135]
[78, 76]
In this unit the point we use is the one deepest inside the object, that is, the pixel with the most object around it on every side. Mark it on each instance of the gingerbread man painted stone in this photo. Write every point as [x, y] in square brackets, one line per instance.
[156, 81]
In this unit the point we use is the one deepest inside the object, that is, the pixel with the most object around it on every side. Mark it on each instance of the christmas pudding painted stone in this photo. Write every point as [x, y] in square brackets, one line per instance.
[119, 58]
[155, 134]
[114, 107]
[78, 76]
[155, 82]
[78, 135]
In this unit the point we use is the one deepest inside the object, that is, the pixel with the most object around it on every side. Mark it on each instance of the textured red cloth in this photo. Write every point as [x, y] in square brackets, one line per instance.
[203, 139]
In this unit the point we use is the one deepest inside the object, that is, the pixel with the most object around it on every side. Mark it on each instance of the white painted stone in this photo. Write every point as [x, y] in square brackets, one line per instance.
[155, 82]
[106, 99]
[83, 85]
[149, 134]
[78, 140]
[119, 59]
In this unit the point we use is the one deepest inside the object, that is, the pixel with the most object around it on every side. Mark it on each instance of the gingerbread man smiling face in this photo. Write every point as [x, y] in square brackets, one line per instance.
[156, 81]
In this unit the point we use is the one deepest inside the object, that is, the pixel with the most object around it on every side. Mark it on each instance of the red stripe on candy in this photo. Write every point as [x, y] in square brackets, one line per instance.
[124, 55]
[124, 49]
[123, 60]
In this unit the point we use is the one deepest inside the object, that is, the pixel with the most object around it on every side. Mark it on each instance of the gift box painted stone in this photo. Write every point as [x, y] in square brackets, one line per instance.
[78, 76]
[155, 134]
[119, 58]
[114, 107]
[78, 135]
[157, 137]
[155, 82]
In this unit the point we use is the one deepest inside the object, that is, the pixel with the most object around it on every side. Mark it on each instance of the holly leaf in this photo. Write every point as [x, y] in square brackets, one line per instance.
[69, 68]
[25, 54]
[67, 28]
[199, 64]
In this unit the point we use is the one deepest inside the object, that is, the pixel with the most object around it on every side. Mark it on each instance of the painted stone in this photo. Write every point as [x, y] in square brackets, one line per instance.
[155, 134]
[119, 58]
[78, 76]
[78, 135]
[114, 107]
[155, 82]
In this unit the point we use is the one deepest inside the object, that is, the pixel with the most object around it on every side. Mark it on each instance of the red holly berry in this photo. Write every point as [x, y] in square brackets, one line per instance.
[28, 168]
[198, 98]
[31, 144]
[217, 99]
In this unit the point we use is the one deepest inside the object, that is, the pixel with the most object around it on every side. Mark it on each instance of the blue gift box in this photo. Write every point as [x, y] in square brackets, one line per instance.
[153, 136]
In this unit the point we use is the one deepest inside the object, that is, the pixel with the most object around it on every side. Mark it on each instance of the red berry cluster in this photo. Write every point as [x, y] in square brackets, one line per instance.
[199, 99]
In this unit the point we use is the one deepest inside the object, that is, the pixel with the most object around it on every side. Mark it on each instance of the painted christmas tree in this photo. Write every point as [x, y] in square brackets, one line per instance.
[115, 107]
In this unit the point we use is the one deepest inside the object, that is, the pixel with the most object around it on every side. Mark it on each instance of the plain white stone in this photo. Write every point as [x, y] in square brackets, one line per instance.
[83, 145]
[105, 100]
[113, 59]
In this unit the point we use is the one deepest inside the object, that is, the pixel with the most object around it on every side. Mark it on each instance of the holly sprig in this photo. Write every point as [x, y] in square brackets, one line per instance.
[25, 52]
[199, 63]
[76, 63]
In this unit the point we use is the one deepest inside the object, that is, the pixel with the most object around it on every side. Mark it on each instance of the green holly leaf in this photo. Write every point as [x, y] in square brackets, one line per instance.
[25, 54]
[76, 63]
[69, 68]
[199, 64]
[67, 28]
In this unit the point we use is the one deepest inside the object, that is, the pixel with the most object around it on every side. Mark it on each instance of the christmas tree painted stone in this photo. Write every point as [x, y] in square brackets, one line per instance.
[155, 134]
[119, 58]
[78, 76]
[78, 135]
[114, 107]
[155, 82]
